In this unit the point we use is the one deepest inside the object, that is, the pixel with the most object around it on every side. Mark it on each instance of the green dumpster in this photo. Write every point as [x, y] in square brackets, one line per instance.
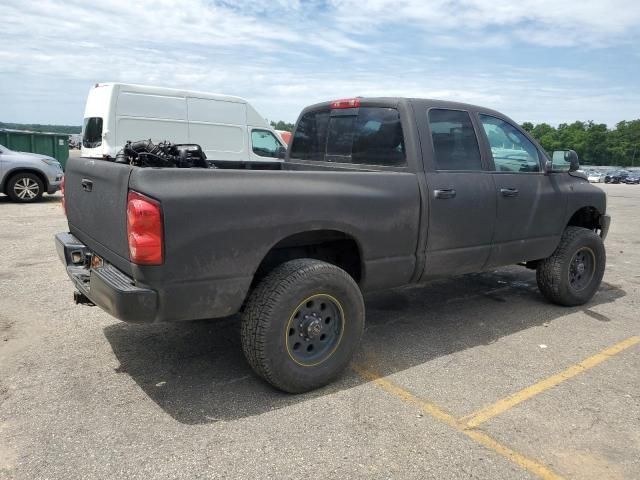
[55, 145]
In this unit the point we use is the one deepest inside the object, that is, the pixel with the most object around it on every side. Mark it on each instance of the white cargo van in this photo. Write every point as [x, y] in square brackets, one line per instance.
[227, 128]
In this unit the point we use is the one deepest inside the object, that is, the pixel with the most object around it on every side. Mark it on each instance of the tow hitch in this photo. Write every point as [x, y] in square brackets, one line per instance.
[82, 299]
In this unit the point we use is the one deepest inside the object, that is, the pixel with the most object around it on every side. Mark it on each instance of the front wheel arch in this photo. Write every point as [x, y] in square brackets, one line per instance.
[585, 217]
[30, 180]
[12, 173]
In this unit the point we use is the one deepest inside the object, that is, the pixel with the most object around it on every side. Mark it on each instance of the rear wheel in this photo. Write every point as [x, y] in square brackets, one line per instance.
[572, 275]
[302, 324]
[25, 188]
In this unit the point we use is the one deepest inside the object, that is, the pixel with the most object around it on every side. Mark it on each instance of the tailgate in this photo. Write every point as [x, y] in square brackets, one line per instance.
[96, 203]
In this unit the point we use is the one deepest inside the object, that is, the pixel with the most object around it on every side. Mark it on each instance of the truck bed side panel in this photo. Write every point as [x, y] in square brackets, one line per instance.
[220, 224]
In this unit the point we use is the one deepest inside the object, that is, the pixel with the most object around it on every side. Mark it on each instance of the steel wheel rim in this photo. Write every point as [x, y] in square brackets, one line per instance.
[314, 330]
[582, 268]
[26, 188]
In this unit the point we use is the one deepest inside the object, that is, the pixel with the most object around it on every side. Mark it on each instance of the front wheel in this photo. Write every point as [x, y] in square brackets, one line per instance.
[25, 187]
[302, 324]
[572, 274]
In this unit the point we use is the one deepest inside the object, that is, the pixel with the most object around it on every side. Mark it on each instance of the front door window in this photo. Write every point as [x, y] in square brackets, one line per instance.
[264, 143]
[511, 150]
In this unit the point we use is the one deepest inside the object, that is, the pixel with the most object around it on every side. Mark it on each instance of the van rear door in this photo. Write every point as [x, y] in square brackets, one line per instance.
[96, 118]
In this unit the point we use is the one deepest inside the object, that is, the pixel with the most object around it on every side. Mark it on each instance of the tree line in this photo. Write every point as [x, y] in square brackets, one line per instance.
[37, 127]
[280, 125]
[594, 143]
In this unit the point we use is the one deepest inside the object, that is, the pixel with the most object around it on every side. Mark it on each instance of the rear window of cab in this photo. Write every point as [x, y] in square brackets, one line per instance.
[365, 135]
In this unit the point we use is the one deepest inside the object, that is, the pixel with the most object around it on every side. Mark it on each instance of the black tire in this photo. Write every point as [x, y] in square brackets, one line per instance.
[25, 188]
[273, 317]
[561, 279]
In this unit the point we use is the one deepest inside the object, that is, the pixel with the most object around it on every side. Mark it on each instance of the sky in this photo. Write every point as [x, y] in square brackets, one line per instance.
[548, 61]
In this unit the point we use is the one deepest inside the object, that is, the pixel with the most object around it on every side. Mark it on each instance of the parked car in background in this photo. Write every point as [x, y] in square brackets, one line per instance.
[227, 128]
[632, 179]
[25, 177]
[75, 143]
[596, 176]
[616, 176]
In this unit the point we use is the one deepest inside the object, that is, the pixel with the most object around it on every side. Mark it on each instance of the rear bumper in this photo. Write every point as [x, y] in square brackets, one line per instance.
[605, 222]
[106, 286]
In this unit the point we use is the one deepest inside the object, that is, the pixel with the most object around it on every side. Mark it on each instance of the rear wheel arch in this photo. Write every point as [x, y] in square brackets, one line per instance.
[329, 245]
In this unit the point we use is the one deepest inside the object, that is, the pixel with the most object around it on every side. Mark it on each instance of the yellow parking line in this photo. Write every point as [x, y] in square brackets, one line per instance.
[528, 464]
[438, 413]
[490, 411]
[406, 396]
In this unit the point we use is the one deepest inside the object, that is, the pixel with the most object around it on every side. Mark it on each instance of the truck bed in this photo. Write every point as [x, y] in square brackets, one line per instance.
[220, 224]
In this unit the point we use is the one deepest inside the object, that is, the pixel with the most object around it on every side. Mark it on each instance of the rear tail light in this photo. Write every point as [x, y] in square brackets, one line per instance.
[64, 206]
[144, 230]
[346, 103]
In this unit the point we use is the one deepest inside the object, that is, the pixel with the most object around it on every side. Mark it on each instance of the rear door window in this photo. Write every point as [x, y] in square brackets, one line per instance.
[310, 138]
[92, 132]
[455, 144]
[368, 135]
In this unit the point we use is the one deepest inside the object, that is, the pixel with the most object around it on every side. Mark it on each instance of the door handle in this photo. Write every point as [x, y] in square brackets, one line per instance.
[509, 192]
[87, 185]
[445, 193]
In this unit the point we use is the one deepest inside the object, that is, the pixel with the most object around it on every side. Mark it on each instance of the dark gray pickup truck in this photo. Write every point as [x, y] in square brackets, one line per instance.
[374, 193]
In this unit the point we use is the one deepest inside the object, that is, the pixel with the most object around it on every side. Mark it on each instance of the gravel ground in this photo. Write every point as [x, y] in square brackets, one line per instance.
[83, 395]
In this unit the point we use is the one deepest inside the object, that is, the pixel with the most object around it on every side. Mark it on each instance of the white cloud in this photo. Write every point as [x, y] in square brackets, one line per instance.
[286, 54]
[541, 22]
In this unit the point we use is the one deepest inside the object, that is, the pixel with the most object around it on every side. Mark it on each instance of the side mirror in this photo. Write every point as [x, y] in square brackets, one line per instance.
[563, 161]
[282, 151]
[572, 157]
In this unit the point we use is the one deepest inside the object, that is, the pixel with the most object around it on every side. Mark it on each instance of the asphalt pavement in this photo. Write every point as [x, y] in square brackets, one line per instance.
[469, 377]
